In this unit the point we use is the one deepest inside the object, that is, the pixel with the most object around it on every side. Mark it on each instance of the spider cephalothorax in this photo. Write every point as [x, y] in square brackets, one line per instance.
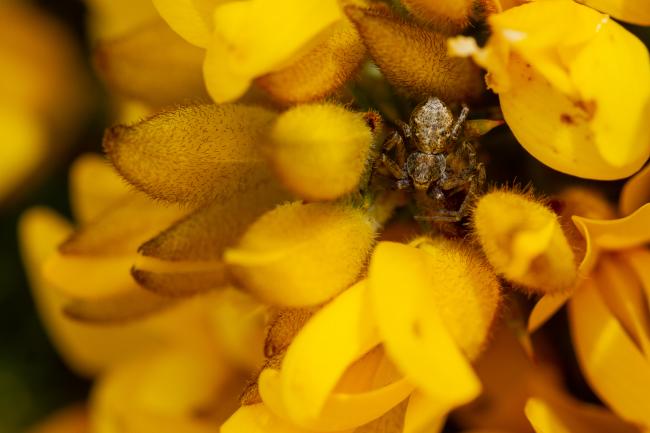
[435, 162]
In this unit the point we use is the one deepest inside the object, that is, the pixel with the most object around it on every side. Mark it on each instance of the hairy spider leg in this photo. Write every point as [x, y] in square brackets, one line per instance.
[458, 125]
[396, 168]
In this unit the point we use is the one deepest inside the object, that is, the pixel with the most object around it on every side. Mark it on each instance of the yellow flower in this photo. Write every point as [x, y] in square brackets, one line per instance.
[306, 43]
[392, 336]
[608, 301]
[565, 88]
[39, 113]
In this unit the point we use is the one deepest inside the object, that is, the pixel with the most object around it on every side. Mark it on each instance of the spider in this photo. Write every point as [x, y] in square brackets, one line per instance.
[441, 169]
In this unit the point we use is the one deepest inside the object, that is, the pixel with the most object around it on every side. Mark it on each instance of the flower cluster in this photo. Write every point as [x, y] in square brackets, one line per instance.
[296, 236]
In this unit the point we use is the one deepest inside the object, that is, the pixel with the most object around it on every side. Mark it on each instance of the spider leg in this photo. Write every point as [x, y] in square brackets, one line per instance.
[443, 216]
[458, 125]
[393, 167]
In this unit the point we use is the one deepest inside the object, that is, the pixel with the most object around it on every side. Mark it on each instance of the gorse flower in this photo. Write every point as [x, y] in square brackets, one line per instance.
[314, 250]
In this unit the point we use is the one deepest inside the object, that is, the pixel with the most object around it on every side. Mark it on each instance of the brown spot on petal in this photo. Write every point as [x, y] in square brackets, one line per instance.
[567, 119]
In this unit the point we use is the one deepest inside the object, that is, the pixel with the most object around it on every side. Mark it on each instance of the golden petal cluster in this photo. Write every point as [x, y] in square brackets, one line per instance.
[564, 90]
[389, 351]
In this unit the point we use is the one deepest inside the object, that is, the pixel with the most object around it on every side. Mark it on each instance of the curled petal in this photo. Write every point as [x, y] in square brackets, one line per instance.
[246, 42]
[546, 307]
[192, 19]
[631, 11]
[320, 71]
[411, 325]
[415, 58]
[560, 98]
[131, 66]
[602, 347]
[193, 154]
[320, 151]
[524, 242]
[623, 293]
[302, 254]
[342, 411]
[630, 231]
[329, 343]
[635, 192]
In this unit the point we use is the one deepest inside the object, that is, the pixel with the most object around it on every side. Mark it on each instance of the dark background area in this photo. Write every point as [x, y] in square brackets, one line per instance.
[33, 380]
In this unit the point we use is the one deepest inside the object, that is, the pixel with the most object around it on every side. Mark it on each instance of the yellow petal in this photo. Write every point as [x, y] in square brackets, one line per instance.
[192, 19]
[631, 11]
[635, 192]
[342, 411]
[258, 418]
[639, 260]
[332, 340]
[565, 114]
[123, 227]
[131, 65]
[546, 307]
[302, 254]
[524, 242]
[414, 58]
[476, 294]
[94, 187]
[625, 297]
[630, 231]
[246, 42]
[86, 349]
[568, 416]
[193, 154]
[95, 261]
[424, 414]
[239, 324]
[319, 72]
[24, 148]
[187, 257]
[603, 348]
[72, 419]
[172, 384]
[402, 282]
[320, 151]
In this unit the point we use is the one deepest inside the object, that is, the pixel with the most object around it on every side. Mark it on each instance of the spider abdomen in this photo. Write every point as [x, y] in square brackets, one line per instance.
[425, 168]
